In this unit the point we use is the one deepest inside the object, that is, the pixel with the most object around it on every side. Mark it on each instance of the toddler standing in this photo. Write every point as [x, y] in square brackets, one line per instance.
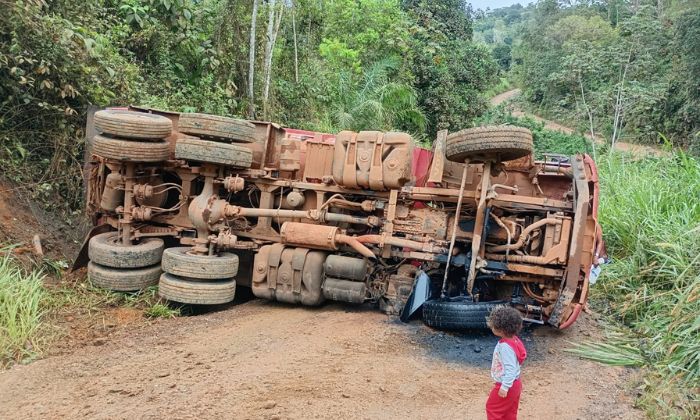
[509, 354]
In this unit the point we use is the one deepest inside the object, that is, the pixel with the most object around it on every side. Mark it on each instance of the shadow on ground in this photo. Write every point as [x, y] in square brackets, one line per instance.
[468, 347]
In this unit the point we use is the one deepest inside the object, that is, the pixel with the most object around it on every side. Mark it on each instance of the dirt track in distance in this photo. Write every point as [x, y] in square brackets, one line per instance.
[271, 361]
[635, 149]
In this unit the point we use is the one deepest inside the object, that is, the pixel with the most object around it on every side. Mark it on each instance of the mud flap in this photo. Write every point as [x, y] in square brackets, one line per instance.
[82, 259]
[419, 294]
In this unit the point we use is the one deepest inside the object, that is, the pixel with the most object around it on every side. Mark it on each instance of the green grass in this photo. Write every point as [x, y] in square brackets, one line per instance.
[89, 298]
[22, 309]
[650, 213]
[161, 310]
[153, 306]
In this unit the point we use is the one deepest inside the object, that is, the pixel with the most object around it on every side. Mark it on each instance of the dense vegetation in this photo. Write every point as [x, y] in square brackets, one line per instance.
[331, 65]
[650, 214]
[625, 69]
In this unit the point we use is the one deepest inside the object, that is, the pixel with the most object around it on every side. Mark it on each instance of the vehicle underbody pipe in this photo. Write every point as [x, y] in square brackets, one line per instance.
[354, 243]
[453, 236]
[321, 237]
[524, 234]
[316, 215]
[401, 242]
[527, 259]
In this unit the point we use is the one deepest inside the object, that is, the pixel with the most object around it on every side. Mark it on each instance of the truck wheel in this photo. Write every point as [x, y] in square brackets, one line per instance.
[183, 290]
[107, 250]
[133, 125]
[233, 155]
[123, 280]
[489, 143]
[457, 313]
[130, 151]
[216, 127]
[206, 267]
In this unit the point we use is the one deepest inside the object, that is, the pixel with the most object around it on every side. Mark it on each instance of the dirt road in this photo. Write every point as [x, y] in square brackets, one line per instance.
[265, 360]
[508, 96]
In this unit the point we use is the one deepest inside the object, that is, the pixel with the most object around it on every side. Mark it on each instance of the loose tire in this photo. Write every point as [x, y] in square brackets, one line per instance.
[489, 143]
[456, 313]
[205, 267]
[216, 127]
[177, 289]
[130, 151]
[123, 280]
[206, 151]
[106, 250]
[133, 125]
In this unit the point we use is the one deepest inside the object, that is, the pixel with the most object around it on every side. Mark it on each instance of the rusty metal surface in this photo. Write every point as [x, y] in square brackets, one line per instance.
[372, 160]
[368, 199]
[437, 167]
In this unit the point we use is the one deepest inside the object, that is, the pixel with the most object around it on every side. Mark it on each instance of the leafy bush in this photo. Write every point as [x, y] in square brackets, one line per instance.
[51, 69]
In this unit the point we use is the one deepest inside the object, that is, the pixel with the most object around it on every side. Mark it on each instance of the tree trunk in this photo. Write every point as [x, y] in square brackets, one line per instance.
[590, 116]
[617, 121]
[273, 28]
[251, 62]
[268, 50]
[296, 56]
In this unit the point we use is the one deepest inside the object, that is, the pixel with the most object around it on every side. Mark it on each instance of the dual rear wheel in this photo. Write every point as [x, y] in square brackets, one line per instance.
[129, 136]
[198, 279]
[124, 268]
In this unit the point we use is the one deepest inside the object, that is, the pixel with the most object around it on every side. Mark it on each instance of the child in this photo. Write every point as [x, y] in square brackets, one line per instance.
[509, 354]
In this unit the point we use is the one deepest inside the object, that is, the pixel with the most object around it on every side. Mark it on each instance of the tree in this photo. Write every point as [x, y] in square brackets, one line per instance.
[450, 71]
[251, 62]
[273, 27]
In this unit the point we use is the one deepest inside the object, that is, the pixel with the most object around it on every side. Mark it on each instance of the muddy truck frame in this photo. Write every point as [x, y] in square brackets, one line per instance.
[202, 205]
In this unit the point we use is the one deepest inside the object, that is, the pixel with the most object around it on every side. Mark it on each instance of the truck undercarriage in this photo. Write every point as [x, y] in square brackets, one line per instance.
[201, 205]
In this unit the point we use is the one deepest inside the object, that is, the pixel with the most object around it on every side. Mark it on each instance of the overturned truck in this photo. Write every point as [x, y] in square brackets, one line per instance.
[202, 205]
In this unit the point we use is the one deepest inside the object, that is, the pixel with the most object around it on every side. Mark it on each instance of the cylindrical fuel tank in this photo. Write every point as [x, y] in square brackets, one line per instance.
[112, 195]
[344, 290]
[346, 267]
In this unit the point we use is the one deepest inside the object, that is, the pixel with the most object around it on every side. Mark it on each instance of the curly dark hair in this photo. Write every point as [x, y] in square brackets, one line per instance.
[505, 319]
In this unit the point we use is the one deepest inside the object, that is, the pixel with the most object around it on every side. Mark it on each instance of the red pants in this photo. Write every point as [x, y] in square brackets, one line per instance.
[498, 408]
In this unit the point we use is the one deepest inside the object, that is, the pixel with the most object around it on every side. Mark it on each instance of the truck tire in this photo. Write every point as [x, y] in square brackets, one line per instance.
[130, 151]
[177, 289]
[106, 250]
[205, 267]
[489, 143]
[123, 280]
[216, 127]
[133, 125]
[456, 313]
[233, 155]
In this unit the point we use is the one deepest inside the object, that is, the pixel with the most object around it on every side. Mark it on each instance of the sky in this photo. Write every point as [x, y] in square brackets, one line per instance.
[495, 4]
